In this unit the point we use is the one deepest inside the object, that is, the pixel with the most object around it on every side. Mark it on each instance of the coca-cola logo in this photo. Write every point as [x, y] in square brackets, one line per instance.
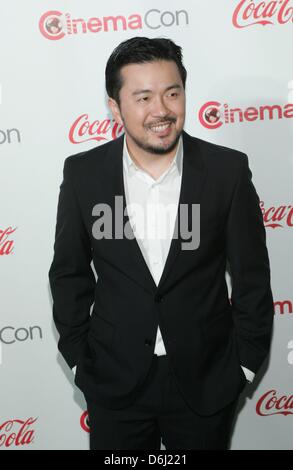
[54, 25]
[6, 245]
[270, 404]
[250, 13]
[213, 114]
[276, 217]
[17, 432]
[84, 421]
[82, 130]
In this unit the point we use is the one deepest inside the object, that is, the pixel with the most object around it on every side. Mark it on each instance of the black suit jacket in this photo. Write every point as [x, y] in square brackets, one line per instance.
[206, 336]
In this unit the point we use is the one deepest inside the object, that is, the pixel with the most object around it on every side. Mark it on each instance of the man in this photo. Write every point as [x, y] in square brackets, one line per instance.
[164, 354]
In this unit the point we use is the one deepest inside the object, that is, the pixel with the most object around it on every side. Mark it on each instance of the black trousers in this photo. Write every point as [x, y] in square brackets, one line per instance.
[159, 413]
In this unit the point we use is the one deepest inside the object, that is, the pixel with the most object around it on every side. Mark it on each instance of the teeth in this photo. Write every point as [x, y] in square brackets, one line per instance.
[160, 128]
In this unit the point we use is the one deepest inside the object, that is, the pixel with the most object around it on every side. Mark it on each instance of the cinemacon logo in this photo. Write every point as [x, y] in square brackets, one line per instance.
[56, 25]
[248, 13]
[10, 334]
[84, 421]
[214, 114]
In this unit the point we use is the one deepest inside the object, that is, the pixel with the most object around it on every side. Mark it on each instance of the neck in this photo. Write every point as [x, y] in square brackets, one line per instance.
[151, 163]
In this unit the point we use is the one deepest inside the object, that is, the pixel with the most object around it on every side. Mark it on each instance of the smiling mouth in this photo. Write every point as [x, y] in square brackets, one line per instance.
[163, 128]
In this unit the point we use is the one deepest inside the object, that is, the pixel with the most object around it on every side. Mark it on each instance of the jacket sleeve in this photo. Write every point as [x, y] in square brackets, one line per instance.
[71, 277]
[251, 299]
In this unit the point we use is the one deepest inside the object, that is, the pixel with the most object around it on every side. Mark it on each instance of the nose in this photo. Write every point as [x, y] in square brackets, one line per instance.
[159, 107]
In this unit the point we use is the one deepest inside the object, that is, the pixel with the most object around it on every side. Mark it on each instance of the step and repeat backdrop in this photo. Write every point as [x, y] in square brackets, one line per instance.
[238, 55]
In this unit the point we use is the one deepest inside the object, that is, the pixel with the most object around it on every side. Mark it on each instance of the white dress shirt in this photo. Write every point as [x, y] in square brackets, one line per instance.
[152, 208]
[150, 204]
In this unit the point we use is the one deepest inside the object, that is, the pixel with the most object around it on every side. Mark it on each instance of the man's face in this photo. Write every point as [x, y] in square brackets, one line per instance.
[152, 106]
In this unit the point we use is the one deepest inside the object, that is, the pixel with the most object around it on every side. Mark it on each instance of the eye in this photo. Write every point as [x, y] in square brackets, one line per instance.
[143, 99]
[174, 94]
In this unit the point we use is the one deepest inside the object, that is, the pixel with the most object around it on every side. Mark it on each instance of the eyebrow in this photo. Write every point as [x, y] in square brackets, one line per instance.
[138, 92]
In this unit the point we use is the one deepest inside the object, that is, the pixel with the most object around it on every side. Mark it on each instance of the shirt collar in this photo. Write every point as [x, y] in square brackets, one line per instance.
[131, 167]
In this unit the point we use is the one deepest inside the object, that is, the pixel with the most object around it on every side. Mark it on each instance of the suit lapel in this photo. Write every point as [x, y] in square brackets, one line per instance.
[193, 177]
[192, 182]
[137, 267]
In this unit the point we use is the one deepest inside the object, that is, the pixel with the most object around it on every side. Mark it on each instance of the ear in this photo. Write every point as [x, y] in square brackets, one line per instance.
[113, 105]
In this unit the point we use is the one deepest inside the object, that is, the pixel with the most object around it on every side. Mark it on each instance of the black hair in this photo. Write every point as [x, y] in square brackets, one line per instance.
[140, 50]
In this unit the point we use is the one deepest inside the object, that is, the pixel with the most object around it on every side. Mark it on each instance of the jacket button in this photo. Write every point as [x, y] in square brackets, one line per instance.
[148, 342]
[158, 298]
